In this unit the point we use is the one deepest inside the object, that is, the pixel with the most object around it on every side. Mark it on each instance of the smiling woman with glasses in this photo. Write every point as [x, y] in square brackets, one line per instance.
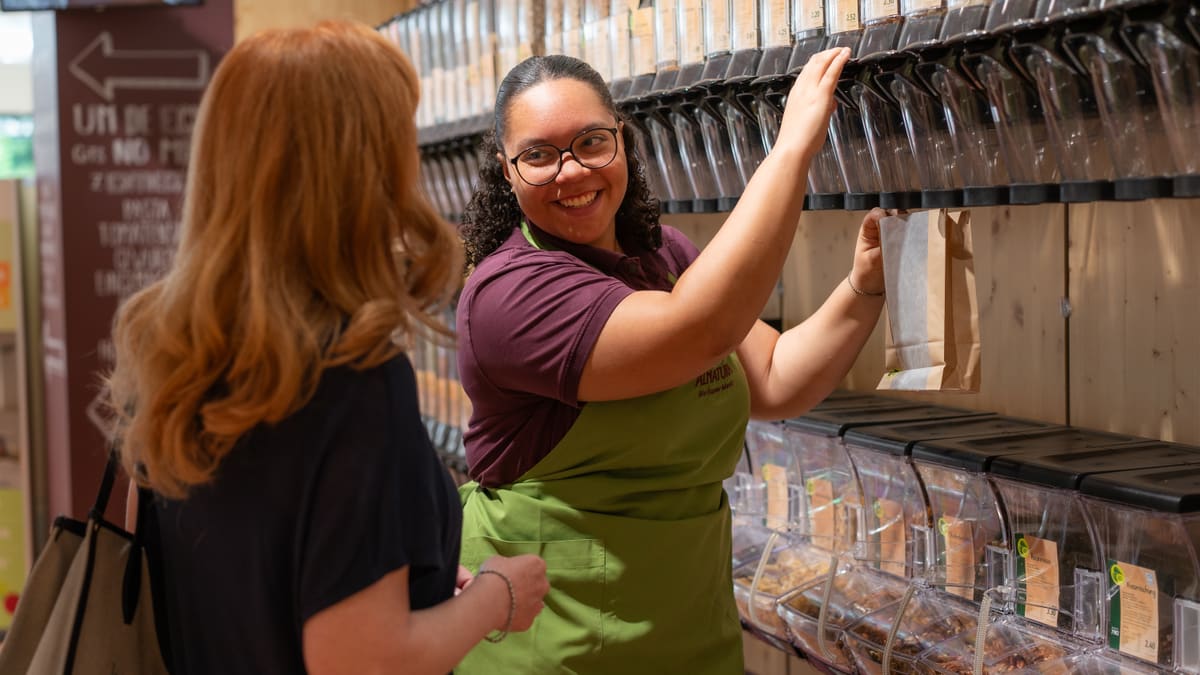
[612, 368]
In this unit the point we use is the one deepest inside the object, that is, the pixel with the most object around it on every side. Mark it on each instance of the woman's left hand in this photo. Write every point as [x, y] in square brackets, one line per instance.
[867, 272]
[463, 580]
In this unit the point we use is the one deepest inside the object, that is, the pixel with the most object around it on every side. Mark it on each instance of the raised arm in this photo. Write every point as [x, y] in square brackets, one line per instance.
[656, 340]
[789, 373]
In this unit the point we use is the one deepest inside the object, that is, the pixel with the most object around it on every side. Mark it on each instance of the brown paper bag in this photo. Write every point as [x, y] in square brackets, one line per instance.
[932, 341]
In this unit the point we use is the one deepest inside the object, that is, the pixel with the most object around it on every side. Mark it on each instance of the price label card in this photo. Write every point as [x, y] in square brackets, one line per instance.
[1133, 611]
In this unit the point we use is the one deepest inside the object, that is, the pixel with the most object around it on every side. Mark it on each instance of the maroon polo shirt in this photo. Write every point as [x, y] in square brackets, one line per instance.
[527, 321]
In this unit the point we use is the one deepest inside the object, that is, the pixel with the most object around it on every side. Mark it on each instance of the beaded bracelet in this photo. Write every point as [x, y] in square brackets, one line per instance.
[512, 606]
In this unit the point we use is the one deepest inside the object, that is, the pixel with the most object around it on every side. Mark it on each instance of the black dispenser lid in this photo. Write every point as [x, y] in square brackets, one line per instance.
[1066, 469]
[838, 421]
[977, 453]
[1173, 489]
[906, 435]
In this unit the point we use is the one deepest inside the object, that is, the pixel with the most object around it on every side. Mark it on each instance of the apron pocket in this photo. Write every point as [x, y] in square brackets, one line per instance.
[571, 626]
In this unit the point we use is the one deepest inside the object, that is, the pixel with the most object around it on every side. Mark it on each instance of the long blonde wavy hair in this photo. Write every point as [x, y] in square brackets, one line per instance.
[305, 244]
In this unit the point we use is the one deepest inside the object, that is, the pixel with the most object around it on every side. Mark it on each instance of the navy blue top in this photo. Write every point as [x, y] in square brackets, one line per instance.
[301, 515]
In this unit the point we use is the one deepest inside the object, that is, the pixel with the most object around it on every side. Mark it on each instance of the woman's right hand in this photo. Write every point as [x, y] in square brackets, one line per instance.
[528, 576]
[810, 102]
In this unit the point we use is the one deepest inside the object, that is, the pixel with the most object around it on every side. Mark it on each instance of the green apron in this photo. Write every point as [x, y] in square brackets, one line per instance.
[629, 513]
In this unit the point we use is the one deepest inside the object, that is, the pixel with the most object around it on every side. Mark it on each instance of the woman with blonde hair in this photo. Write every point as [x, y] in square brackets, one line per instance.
[305, 524]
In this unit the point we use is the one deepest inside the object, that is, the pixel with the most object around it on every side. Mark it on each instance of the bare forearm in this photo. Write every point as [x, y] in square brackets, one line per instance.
[809, 360]
[439, 637]
[728, 284]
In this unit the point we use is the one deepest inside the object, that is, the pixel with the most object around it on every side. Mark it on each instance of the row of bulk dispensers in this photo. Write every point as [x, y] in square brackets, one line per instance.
[874, 535]
[945, 103]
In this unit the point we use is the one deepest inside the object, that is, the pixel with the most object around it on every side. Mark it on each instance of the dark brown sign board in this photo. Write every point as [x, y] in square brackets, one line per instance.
[116, 93]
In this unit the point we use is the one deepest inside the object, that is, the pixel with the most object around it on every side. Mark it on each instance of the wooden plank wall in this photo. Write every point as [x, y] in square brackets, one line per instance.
[1020, 257]
[1135, 323]
[251, 16]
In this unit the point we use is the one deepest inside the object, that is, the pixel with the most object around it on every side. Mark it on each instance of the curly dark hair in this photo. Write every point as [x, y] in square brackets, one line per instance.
[490, 216]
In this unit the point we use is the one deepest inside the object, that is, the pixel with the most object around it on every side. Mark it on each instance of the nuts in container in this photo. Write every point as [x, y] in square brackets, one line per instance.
[930, 617]
[786, 569]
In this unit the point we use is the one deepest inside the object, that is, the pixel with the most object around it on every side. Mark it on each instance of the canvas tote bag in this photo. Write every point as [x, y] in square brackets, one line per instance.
[87, 606]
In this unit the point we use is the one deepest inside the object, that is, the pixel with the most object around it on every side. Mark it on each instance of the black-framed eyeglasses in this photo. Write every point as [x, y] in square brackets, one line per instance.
[594, 149]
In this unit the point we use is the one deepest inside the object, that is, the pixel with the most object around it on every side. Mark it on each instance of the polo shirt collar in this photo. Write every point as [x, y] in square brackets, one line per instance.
[643, 271]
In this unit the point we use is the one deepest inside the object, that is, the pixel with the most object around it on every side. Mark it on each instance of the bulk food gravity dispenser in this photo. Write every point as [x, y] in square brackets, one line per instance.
[1148, 522]
[964, 549]
[858, 519]
[1045, 609]
[771, 522]
[777, 550]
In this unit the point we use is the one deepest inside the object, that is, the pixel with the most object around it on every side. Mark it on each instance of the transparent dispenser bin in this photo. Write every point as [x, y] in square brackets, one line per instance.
[641, 49]
[817, 615]
[488, 80]
[922, 22]
[1054, 579]
[1125, 109]
[747, 38]
[897, 534]
[1173, 62]
[664, 152]
[718, 40]
[1099, 663]
[892, 160]
[775, 34]
[666, 45]
[597, 41]
[1043, 614]
[964, 19]
[1009, 646]
[1148, 522]
[830, 498]
[848, 139]
[1020, 127]
[758, 580]
[745, 138]
[892, 639]
[1070, 107]
[966, 549]
[808, 31]
[724, 127]
[455, 30]
[759, 494]
[690, 17]
[684, 122]
[975, 142]
[988, 106]
[620, 26]
[929, 142]
[881, 21]
[866, 523]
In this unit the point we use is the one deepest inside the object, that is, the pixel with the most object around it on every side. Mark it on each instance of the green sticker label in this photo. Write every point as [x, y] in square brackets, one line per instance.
[1117, 574]
[1022, 548]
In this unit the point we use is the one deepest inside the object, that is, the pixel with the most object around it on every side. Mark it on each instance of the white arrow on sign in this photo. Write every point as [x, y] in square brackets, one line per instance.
[100, 55]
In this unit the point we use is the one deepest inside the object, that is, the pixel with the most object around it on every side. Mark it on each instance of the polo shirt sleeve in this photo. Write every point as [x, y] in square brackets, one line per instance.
[532, 320]
[680, 251]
